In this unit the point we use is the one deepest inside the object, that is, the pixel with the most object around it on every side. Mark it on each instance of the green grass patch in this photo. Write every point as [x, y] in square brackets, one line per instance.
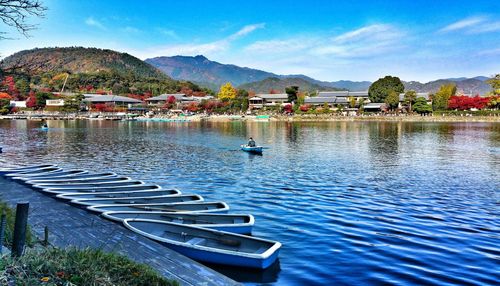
[9, 228]
[53, 266]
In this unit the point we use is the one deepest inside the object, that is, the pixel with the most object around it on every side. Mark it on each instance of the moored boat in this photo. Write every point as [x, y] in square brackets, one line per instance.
[173, 207]
[256, 149]
[208, 245]
[124, 188]
[25, 168]
[60, 175]
[119, 194]
[84, 185]
[73, 178]
[35, 172]
[139, 200]
[235, 223]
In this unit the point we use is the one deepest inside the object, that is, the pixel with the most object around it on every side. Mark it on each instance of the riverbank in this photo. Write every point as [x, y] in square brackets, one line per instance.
[258, 118]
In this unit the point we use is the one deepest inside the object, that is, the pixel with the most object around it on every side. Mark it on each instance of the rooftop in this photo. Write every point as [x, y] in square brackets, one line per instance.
[112, 98]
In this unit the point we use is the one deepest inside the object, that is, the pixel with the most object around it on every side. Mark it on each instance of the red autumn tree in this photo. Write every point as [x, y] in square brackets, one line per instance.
[192, 107]
[31, 101]
[467, 102]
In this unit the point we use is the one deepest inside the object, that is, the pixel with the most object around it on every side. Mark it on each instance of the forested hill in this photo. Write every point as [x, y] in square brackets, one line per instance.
[80, 60]
[279, 85]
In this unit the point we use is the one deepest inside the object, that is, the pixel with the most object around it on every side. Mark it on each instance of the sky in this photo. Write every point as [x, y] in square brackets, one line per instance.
[327, 40]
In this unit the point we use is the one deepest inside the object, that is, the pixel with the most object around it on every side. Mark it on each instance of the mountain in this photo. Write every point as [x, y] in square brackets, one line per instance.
[201, 70]
[212, 74]
[473, 86]
[279, 84]
[80, 60]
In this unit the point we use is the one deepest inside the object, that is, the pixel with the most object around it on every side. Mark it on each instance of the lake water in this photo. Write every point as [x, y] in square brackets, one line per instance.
[353, 203]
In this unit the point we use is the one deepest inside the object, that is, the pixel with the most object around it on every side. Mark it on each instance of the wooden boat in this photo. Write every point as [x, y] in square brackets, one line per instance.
[91, 185]
[101, 189]
[129, 194]
[26, 168]
[61, 175]
[209, 245]
[35, 172]
[256, 149]
[74, 178]
[173, 207]
[140, 200]
[235, 223]
[89, 182]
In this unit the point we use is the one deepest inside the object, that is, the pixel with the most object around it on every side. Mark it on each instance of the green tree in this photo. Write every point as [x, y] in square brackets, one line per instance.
[495, 84]
[421, 106]
[410, 98]
[227, 92]
[41, 98]
[352, 101]
[292, 92]
[392, 100]
[440, 99]
[380, 89]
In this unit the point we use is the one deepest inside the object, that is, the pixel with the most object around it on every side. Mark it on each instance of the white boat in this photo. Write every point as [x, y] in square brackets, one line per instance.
[209, 245]
[34, 173]
[130, 194]
[55, 191]
[73, 178]
[235, 223]
[111, 181]
[91, 185]
[139, 200]
[173, 207]
[25, 168]
[60, 175]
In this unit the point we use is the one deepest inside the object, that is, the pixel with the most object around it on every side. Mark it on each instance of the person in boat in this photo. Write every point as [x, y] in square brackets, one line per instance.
[251, 142]
[44, 124]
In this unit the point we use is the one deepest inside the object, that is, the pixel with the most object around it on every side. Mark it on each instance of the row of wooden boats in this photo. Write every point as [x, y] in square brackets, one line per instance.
[184, 222]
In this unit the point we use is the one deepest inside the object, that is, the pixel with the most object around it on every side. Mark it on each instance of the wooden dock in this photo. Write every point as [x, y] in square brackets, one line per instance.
[72, 226]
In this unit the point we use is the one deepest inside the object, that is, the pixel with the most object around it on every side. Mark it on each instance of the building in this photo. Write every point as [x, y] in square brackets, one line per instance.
[54, 102]
[179, 98]
[18, 103]
[374, 107]
[263, 100]
[336, 97]
[112, 100]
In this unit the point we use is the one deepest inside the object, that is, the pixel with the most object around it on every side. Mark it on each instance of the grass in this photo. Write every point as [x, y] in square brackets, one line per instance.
[9, 229]
[54, 266]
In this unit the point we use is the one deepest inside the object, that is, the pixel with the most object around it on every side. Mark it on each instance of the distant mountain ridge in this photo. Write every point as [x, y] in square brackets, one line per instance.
[80, 60]
[469, 86]
[279, 84]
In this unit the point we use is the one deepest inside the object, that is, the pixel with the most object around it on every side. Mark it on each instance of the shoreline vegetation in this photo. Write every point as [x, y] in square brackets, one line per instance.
[47, 265]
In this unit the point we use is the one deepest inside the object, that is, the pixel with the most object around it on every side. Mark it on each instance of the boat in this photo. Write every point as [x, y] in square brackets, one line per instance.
[73, 178]
[119, 194]
[140, 200]
[209, 245]
[235, 223]
[61, 175]
[88, 182]
[165, 207]
[91, 185]
[101, 189]
[1, 149]
[255, 150]
[26, 168]
[36, 172]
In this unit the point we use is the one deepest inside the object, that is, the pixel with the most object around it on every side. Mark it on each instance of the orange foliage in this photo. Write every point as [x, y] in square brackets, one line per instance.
[4, 95]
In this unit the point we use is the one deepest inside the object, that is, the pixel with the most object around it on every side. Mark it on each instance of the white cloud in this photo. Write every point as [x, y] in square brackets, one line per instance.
[281, 46]
[473, 25]
[462, 24]
[90, 21]
[246, 30]
[168, 33]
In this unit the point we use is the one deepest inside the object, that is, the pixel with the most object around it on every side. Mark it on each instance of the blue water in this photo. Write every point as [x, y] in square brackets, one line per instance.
[354, 203]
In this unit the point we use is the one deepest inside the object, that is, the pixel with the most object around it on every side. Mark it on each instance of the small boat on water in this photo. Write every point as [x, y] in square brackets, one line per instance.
[140, 200]
[255, 150]
[61, 175]
[101, 189]
[235, 223]
[173, 207]
[35, 172]
[209, 245]
[72, 178]
[111, 195]
[26, 168]
[84, 185]
[89, 182]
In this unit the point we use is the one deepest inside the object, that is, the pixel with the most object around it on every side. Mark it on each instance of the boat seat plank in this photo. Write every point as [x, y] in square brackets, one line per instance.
[196, 240]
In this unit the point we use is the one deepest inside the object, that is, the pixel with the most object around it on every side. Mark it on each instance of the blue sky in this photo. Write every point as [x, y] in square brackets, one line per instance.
[327, 40]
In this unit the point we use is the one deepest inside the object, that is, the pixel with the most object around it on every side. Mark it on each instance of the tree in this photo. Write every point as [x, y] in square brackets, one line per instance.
[352, 101]
[380, 89]
[421, 106]
[410, 98]
[227, 92]
[495, 84]
[15, 13]
[392, 100]
[442, 96]
[292, 91]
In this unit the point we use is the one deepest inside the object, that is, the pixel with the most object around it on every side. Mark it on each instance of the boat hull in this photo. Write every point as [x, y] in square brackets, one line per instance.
[256, 150]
